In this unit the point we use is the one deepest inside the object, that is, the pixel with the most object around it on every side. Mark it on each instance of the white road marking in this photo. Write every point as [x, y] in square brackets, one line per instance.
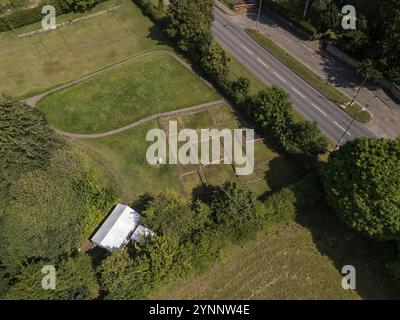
[247, 49]
[263, 63]
[319, 109]
[342, 128]
[302, 95]
[279, 77]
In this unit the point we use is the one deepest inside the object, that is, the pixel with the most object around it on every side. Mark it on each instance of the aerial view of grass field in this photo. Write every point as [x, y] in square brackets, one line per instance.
[165, 152]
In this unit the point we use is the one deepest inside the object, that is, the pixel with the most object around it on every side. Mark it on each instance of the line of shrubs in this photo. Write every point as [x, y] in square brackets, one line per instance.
[24, 17]
[191, 235]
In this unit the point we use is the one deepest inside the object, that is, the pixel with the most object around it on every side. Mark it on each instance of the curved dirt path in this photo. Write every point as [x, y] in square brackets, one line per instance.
[32, 101]
[139, 122]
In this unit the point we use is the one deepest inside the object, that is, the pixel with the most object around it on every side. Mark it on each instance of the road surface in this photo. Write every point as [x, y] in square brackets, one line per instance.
[307, 101]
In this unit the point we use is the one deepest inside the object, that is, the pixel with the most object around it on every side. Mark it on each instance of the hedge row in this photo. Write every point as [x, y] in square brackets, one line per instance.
[24, 17]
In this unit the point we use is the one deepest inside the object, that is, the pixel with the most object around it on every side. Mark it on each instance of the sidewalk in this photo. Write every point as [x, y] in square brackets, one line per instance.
[386, 112]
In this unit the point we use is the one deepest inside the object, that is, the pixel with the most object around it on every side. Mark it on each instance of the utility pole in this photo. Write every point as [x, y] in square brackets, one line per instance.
[306, 9]
[259, 14]
[354, 117]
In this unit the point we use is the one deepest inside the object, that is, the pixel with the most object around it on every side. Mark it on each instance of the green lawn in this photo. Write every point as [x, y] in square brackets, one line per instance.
[312, 78]
[32, 64]
[153, 84]
[299, 260]
[125, 155]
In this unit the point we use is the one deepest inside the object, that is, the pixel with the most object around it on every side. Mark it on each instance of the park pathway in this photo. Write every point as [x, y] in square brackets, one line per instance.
[141, 121]
[32, 101]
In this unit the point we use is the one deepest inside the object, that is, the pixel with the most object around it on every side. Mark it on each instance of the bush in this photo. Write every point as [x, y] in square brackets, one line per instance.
[233, 209]
[81, 5]
[172, 214]
[75, 280]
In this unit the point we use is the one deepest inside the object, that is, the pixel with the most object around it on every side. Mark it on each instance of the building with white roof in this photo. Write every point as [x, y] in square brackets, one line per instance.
[121, 226]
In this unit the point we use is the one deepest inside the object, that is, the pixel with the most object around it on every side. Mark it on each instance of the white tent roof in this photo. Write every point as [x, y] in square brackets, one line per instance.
[116, 229]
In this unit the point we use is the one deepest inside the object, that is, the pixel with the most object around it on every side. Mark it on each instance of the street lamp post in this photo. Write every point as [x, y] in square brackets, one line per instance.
[259, 14]
[306, 9]
[354, 117]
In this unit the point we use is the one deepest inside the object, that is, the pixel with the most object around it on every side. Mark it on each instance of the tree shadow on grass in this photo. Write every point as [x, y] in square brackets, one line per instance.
[344, 246]
[157, 34]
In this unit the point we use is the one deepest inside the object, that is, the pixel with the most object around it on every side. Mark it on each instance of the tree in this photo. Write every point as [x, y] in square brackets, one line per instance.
[273, 111]
[119, 277]
[187, 18]
[75, 280]
[171, 214]
[233, 208]
[362, 183]
[215, 64]
[26, 141]
[241, 86]
[309, 139]
[133, 275]
[328, 14]
[369, 71]
[44, 218]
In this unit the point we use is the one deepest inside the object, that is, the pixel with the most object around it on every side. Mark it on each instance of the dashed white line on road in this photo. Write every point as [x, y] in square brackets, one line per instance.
[247, 49]
[319, 109]
[279, 77]
[263, 63]
[302, 95]
[342, 128]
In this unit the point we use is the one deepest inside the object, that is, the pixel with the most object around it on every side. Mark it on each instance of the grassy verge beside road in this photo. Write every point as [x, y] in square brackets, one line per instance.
[308, 75]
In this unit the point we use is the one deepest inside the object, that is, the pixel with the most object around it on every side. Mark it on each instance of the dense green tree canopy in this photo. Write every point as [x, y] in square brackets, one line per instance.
[273, 111]
[233, 207]
[362, 182]
[187, 18]
[308, 138]
[377, 35]
[171, 214]
[26, 142]
[75, 280]
[47, 195]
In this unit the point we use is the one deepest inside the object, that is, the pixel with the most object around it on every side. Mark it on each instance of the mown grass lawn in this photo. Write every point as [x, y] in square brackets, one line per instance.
[30, 65]
[299, 260]
[125, 155]
[151, 85]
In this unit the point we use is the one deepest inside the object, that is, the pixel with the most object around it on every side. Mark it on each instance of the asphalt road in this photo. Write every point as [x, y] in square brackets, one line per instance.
[310, 103]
